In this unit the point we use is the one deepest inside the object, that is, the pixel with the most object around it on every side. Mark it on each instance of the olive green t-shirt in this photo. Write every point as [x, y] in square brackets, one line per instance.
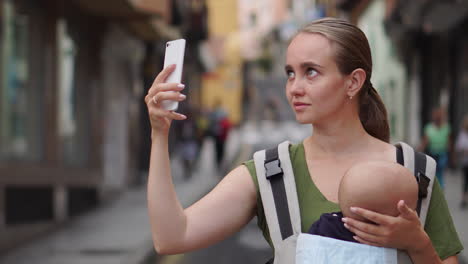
[312, 203]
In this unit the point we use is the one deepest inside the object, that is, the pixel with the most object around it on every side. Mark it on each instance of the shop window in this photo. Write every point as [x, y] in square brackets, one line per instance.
[71, 151]
[20, 128]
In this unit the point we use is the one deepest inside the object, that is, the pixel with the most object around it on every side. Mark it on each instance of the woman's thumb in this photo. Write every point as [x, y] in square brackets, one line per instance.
[404, 210]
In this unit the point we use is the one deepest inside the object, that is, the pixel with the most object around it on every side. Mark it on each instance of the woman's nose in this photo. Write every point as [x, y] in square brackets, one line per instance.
[297, 87]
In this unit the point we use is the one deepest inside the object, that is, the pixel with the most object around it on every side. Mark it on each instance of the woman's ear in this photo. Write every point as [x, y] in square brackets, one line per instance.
[355, 82]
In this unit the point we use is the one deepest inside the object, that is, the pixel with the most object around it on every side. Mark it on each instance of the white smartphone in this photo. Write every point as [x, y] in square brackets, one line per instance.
[175, 51]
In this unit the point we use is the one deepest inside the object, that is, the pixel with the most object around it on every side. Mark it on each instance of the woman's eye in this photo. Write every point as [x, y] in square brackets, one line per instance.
[311, 72]
[290, 74]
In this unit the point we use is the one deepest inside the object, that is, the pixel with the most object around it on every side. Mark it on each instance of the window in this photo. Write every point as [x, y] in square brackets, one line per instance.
[66, 114]
[19, 115]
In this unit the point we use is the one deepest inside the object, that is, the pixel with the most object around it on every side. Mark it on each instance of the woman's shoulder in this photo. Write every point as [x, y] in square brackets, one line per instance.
[294, 151]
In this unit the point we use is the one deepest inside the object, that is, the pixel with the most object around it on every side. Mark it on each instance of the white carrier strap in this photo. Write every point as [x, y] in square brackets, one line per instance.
[423, 168]
[279, 197]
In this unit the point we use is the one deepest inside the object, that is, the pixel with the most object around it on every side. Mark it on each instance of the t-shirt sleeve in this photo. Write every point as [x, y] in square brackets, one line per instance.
[261, 220]
[250, 164]
[439, 225]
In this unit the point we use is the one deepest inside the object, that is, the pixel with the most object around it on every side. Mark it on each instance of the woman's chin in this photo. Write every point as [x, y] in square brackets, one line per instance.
[303, 120]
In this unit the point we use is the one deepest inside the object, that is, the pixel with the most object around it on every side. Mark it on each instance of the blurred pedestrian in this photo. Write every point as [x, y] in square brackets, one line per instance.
[436, 141]
[461, 148]
[218, 128]
[189, 144]
[272, 109]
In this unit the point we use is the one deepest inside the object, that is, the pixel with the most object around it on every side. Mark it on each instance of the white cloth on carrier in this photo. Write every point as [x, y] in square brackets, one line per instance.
[324, 250]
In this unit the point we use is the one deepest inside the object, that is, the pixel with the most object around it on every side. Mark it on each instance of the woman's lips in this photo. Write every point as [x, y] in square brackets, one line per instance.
[300, 106]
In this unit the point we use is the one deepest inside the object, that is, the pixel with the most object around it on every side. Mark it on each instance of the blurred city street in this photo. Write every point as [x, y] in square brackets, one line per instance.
[76, 77]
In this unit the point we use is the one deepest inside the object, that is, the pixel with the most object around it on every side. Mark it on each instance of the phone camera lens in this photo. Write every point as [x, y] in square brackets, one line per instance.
[167, 45]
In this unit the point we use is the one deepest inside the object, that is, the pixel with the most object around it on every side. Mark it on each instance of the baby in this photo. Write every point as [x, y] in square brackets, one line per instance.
[376, 186]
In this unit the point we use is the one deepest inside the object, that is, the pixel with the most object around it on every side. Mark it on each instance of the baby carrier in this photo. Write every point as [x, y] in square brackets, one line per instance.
[279, 196]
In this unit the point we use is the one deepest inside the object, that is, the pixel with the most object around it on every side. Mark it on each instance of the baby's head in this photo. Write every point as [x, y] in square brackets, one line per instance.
[377, 186]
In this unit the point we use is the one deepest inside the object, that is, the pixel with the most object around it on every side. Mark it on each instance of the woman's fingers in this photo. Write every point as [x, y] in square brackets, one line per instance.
[176, 116]
[371, 215]
[405, 211]
[372, 238]
[362, 226]
[163, 87]
[388, 231]
[161, 91]
[173, 96]
[161, 113]
[365, 233]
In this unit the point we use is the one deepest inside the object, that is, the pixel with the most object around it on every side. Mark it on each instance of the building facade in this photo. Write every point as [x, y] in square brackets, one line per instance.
[70, 87]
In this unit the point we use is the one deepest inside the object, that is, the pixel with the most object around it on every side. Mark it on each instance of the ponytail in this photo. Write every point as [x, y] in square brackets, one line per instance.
[373, 114]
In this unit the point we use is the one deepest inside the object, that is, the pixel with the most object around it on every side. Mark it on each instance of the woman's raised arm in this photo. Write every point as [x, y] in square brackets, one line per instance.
[225, 210]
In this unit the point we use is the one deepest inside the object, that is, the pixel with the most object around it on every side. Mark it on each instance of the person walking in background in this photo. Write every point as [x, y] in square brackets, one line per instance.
[437, 141]
[225, 125]
[461, 148]
[218, 128]
[189, 147]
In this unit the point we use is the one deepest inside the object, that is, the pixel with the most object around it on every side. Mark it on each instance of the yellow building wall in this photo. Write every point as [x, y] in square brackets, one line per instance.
[224, 85]
[222, 17]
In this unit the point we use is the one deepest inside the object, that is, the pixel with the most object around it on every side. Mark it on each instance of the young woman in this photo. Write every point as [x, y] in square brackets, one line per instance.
[329, 67]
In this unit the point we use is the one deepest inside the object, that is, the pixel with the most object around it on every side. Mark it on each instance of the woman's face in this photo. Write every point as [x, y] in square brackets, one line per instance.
[315, 87]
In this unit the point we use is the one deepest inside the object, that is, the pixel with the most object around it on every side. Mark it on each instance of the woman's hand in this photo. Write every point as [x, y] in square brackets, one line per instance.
[160, 118]
[403, 231]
